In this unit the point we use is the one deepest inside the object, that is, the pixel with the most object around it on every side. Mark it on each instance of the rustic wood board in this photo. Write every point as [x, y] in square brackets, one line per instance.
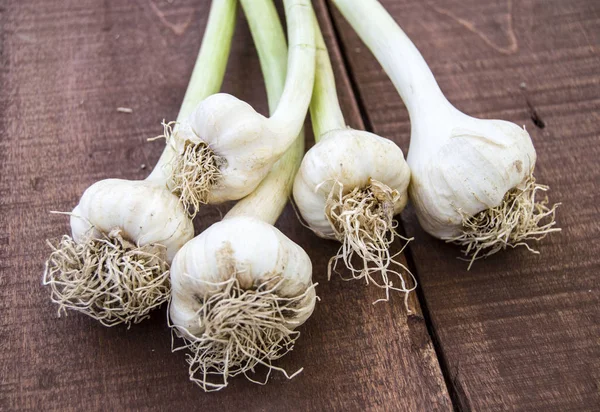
[519, 331]
[65, 68]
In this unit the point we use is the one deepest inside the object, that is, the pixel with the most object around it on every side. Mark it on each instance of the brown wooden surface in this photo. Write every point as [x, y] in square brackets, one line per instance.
[519, 331]
[65, 68]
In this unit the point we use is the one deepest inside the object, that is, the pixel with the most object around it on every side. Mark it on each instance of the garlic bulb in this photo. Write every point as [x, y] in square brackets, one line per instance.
[140, 210]
[115, 267]
[466, 169]
[252, 252]
[224, 148]
[350, 185]
[472, 179]
[345, 159]
[245, 143]
[238, 292]
[247, 250]
[241, 288]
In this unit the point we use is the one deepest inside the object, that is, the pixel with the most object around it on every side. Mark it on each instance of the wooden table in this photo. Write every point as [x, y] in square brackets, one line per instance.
[517, 332]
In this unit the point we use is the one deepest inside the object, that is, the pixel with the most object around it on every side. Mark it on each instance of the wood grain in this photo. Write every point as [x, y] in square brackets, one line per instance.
[65, 68]
[519, 331]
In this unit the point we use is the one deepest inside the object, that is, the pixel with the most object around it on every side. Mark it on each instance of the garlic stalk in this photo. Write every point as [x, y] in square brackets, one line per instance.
[350, 185]
[241, 288]
[115, 266]
[472, 179]
[224, 149]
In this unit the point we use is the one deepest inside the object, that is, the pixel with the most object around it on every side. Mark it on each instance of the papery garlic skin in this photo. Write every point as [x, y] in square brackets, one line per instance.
[144, 212]
[463, 166]
[248, 249]
[351, 158]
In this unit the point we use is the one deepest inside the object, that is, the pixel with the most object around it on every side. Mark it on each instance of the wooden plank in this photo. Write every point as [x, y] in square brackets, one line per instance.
[519, 331]
[65, 68]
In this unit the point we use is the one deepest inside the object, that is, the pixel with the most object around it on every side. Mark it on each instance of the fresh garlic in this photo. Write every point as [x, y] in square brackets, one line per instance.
[224, 149]
[249, 251]
[241, 288]
[345, 159]
[350, 185]
[244, 142]
[472, 179]
[115, 267]
[143, 213]
[239, 291]
[468, 168]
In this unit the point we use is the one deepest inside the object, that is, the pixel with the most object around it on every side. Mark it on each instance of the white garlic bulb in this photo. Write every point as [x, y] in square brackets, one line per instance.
[243, 248]
[239, 290]
[243, 140]
[115, 268]
[143, 212]
[353, 159]
[463, 166]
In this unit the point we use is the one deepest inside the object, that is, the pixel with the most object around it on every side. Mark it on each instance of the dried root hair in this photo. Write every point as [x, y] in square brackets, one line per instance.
[241, 330]
[109, 279]
[519, 218]
[363, 221]
[194, 171]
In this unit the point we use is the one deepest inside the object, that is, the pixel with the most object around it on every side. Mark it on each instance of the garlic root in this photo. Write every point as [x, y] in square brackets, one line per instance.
[242, 328]
[109, 278]
[520, 217]
[194, 173]
[363, 221]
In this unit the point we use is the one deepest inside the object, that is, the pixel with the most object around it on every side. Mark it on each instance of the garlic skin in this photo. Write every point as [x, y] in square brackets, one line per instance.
[463, 165]
[352, 158]
[146, 214]
[243, 247]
